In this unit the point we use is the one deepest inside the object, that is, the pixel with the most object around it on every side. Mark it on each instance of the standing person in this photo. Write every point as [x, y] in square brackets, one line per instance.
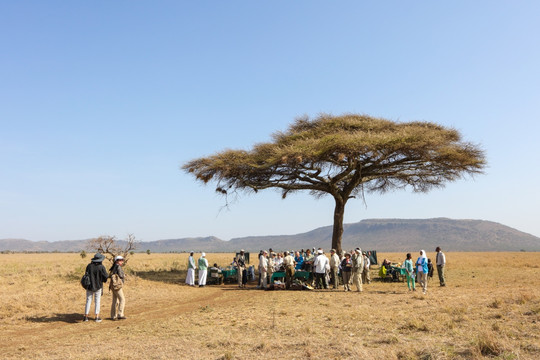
[190, 278]
[241, 269]
[263, 269]
[357, 268]
[321, 264]
[98, 276]
[288, 262]
[440, 262]
[203, 269]
[259, 269]
[334, 268]
[429, 269]
[409, 272]
[270, 267]
[299, 259]
[366, 277]
[118, 298]
[422, 269]
[308, 261]
[346, 269]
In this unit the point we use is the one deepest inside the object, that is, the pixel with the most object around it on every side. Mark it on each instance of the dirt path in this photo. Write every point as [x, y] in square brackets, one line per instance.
[46, 332]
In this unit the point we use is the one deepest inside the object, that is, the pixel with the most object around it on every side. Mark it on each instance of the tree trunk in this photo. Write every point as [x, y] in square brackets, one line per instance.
[337, 232]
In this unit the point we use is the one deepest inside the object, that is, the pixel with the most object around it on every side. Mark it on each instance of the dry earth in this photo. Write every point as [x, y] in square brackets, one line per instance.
[490, 309]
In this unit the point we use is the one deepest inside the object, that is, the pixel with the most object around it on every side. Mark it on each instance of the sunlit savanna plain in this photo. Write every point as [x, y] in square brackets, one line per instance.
[490, 309]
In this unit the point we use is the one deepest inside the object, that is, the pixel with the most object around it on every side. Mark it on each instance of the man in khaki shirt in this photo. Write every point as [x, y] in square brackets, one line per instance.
[334, 268]
[289, 263]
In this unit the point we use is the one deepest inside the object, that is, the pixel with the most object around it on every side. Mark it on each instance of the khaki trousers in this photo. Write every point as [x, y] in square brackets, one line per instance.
[289, 275]
[118, 303]
[357, 280]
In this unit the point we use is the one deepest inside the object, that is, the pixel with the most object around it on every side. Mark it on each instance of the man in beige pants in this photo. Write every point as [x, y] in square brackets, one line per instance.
[357, 269]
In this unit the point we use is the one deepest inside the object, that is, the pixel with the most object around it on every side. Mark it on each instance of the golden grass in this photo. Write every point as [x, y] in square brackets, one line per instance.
[490, 309]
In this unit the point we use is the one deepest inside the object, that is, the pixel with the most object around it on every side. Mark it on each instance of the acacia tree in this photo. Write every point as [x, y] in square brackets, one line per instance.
[345, 156]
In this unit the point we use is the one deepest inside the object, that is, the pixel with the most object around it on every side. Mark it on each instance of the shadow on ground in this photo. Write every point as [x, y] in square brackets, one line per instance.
[165, 276]
[67, 318]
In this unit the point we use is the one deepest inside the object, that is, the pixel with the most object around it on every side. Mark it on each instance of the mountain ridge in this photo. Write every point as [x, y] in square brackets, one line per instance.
[387, 235]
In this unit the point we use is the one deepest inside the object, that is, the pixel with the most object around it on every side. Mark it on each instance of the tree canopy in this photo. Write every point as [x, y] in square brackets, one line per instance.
[345, 156]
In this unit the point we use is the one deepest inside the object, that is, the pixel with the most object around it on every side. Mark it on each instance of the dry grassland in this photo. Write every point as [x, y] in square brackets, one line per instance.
[490, 309]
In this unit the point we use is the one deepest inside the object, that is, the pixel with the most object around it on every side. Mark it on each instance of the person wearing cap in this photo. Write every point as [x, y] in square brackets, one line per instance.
[98, 275]
[334, 269]
[288, 262]
[203, 268]
[366, 278]
[357, 269]
[321, 266]
[118, 298]
[241, 269]
[190, 277]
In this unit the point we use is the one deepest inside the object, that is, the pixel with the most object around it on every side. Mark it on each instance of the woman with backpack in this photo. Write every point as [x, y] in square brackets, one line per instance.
[422, 269]
[98, 275]
[116, 286]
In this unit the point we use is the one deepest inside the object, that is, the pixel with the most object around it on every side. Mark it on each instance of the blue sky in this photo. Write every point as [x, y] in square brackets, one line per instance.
[102, 102]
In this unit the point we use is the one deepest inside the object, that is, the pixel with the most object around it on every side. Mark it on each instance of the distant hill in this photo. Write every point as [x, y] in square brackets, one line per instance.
[387, 235]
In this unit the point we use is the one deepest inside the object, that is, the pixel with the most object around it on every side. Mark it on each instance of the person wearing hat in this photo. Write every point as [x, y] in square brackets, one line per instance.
[321, 266]
[190, 277]
[118, 298]
[334, 268]
[241, 269]
[346, 269]
[98, 275]
[203, 269]
[357, 269]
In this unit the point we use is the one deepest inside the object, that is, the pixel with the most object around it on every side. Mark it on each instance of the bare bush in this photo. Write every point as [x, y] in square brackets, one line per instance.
[111, 247]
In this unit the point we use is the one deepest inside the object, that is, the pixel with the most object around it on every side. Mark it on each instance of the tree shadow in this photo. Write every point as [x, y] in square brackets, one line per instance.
[165, 276]
[67, 318]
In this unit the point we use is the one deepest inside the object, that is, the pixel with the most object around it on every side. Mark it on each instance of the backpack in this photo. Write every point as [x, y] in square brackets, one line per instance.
[86, 283]
[116, 282]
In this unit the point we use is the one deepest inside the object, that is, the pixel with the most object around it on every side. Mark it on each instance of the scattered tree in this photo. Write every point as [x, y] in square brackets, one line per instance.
[112, 247]
[345, 156]
[148, 251]
[83, 254]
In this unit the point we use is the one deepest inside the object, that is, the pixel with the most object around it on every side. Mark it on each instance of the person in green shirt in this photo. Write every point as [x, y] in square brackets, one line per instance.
[203, 268]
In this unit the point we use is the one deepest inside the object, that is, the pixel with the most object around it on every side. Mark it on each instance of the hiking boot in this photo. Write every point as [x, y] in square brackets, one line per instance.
[98, 319]
[85, 318]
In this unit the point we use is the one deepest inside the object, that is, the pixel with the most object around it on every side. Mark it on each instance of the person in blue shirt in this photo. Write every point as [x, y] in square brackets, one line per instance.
[422, 270]
[299, 261]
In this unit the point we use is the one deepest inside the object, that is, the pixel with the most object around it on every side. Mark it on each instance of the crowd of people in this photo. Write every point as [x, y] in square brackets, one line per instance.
[351, 269]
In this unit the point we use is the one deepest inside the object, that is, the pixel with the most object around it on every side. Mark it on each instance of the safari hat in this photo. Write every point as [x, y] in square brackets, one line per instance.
[119, 257]
[98, 257]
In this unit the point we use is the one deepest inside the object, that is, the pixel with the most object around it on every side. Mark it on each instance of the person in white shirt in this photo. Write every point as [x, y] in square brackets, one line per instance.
[366, 278]
[441, 262]
[321, 265]
[190, 278]
[263, 269]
